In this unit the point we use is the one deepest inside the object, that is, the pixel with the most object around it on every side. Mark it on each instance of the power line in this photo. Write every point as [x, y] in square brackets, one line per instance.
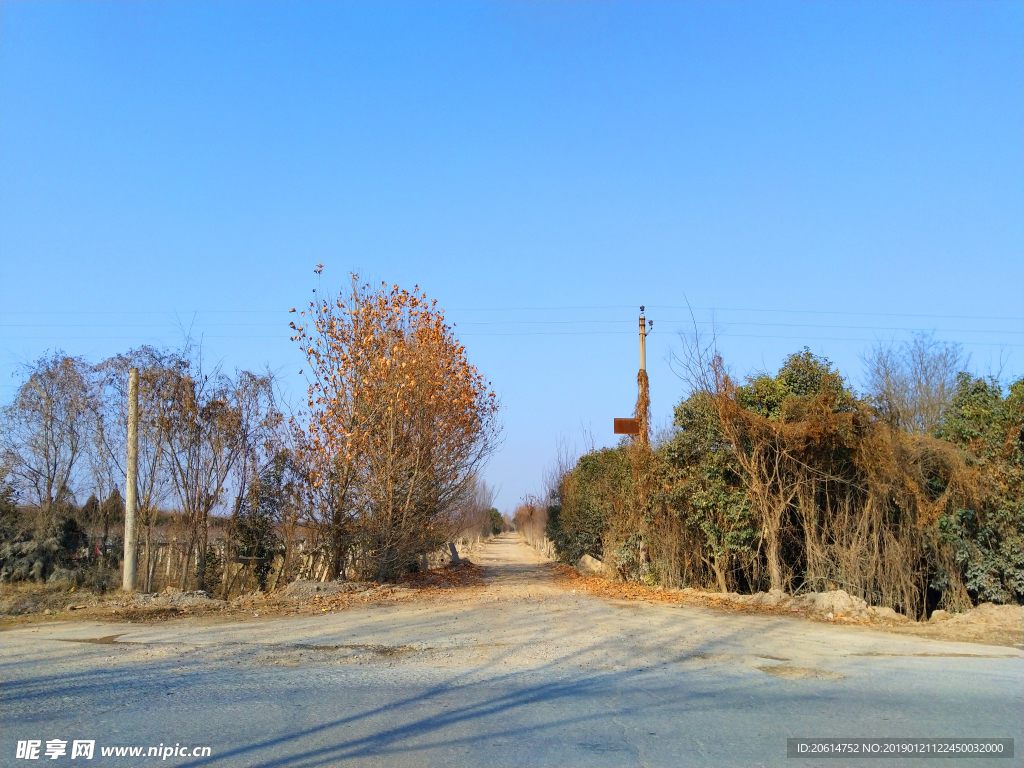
[539, 322]
[724, 333]
[765, 325]
[147, 312]
[838, 312]
[529, 309]
[721, 336]
[797, 339]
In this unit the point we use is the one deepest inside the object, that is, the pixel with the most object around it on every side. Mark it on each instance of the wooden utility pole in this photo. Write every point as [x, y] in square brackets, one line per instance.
[131, 494]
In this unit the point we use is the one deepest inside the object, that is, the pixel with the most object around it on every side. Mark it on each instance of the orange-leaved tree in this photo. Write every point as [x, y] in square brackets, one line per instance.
[399, 422]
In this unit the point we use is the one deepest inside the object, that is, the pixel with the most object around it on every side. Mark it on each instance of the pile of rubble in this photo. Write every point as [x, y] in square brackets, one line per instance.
[174, 597]
[306, 590]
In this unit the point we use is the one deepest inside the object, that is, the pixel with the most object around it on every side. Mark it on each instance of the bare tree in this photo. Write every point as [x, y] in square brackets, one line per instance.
[207, 422]
[46, 429]
[530, 520]
[471, 521]
[290, 510]
[695, 363]
[911, 385]
[264, 445]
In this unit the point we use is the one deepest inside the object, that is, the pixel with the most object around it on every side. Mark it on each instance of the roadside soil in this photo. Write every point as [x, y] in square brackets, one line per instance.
[503, 569]
[987, 624]
[23, 604]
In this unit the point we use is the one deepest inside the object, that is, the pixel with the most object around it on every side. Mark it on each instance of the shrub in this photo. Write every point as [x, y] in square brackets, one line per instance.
[792, 482]
[987, 539]
[589, 498]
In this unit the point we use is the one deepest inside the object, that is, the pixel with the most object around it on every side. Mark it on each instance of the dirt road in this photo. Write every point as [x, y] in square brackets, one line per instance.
[519, 671]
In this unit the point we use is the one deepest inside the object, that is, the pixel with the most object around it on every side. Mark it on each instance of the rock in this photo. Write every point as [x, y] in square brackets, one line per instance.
[771, 597]
[939, 615]
[63, 578]
[590, 566]
[175, 597]
[884, 613]
[304, 590]
[837, 601]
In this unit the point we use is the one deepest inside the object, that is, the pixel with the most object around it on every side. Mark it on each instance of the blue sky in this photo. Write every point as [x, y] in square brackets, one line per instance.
[820, 174]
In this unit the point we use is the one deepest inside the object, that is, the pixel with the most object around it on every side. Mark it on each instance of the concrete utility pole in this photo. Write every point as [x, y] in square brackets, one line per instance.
[633, 426]
[643, 400]
[131, 492]
[643, 339]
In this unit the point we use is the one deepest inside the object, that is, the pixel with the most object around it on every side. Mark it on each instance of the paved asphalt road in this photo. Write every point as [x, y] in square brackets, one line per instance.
[521, 672]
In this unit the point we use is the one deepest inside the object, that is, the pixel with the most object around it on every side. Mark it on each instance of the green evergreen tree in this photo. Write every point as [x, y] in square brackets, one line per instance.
[704, 487]
[988, 540]
[10, 520]
[497, 521]
[258, 514]
[111, 513]
[91, 511]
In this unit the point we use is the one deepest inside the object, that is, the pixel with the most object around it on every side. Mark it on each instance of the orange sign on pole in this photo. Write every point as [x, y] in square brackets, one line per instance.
[627, 427]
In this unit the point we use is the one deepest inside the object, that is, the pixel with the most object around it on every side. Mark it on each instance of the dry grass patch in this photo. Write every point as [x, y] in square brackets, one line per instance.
[33, 603]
